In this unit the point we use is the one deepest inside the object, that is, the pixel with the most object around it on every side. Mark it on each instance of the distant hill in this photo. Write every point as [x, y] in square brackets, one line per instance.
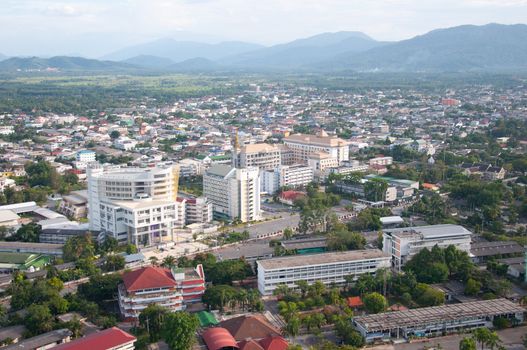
[179, 51]
[148, 61]
[302, 52]
[492, 47]
[2, 57]
[198, 64]
[64, 63]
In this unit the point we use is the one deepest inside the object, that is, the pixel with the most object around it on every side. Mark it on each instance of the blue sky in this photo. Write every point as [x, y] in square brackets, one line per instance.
[96, 27]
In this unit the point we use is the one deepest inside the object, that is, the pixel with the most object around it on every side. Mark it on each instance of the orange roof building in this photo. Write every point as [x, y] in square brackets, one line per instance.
[355, 302]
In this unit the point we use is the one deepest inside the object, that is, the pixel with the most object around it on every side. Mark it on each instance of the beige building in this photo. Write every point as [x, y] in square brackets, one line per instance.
[261, 155]
[303, 146]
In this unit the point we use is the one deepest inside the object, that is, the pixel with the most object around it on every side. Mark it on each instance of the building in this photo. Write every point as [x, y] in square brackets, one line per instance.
[381, 161]
[8, 218]
[482, 251]
[43, 341]
[358, 189]
[30, 247]
[198, 210]
[124, 143]
[321, 162]
[254, 326]
[303, 145]
[403, 243]
[85, 156]
[171, 288]
[134, 205]
[436, 320]
[10, 262]
[190, 167]
[61, 235]
[75, 204]
[108, 339]
[261, 155]
[285, 176]
[329, 268]
[233, 192]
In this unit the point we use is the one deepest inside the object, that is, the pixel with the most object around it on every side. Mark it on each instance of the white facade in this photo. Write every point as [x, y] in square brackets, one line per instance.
[403, 243]
[381, 161]
[234, 192]
[191, 167]
[135, 205]
[124, 143]
[85, 156]
[285, 175]
[198, 211]
[329, 268]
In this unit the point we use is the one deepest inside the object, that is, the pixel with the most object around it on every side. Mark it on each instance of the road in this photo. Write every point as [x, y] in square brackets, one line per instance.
[270, 228]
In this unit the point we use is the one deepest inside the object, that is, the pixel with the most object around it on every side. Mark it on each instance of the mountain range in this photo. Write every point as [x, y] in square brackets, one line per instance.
[492, 47]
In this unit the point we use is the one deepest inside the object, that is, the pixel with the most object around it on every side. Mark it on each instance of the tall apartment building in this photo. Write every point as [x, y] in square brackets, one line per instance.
[303, 146]
[285, 175]
[134, 205]
[261, 155]
[234, 192]
[329, 268]
[173, 289]
[403, 243]
[381, 161]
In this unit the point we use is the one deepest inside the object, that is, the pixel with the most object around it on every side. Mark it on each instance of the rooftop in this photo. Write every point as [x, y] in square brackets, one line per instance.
[148, 277]
[431, 231]
[107, 339]
[41, 341]
[316, 140]
[322, 259]
[219, 170]
[495, 248]
[437, 314]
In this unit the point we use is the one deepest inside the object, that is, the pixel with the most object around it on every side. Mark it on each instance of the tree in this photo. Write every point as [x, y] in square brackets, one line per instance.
[179, 330]
[114, 262]
[109, 245]
[218, 296]
[303, 286]
[485, 337]
[374, 302]
[375, 190]
[292, 327]
[426, 295]
[27, 233]
[115, 134]
[169, 262]
[151, 319]
[100, 288]
[288, 233]
[467, 344]
[79, 247]
[131, 249]
[287, 310]
[154, 260]
[38, 319]
[472, 287]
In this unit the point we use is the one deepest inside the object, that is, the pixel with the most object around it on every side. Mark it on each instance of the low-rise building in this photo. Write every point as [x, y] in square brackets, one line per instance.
[329, 268]
[75, 204]
[403, 243]
[436, 320]
[170, 288]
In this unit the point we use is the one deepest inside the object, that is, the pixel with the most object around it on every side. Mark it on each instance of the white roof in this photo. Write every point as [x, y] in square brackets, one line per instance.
[388, 220]
[8, 215]
[432, 231]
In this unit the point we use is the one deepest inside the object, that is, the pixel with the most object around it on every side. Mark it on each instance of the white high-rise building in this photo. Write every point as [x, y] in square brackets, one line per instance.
[285, 175]
[234, 192]
[261, 155]
[134, 205]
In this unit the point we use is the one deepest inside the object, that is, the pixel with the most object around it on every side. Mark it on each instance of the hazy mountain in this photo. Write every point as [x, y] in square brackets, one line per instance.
[149, 61]
[198, 64]
[301, 52]
[490, 47]
[2, 57]
[183, 50]
[63, 63]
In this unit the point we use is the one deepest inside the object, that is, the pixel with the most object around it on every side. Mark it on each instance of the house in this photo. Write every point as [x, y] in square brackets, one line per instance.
[355, 302]
[289, 197]
[108, 339]
[8, 218]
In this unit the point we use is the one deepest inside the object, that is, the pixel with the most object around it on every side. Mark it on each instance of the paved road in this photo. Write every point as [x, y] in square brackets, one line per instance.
[270, 227]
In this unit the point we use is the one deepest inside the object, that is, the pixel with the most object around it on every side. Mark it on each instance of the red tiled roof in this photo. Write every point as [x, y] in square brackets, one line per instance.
[291, 195]
[103, 340]
[274, 342]
[250, 345]
[355, 302]
[246, 327]
[192, 282]
[148, 277]
[218, 338]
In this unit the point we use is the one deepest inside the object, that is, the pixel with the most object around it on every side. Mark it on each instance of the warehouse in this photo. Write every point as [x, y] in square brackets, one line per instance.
[436, 320]
[329, 268]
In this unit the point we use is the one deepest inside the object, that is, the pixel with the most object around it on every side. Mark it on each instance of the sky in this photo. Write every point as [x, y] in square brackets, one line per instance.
[93, 28]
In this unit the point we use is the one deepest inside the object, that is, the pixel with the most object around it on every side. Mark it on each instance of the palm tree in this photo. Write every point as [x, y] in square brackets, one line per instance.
[282, 290]
[169, 262]
[292, 327]
[153, 260]
[303, 286]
